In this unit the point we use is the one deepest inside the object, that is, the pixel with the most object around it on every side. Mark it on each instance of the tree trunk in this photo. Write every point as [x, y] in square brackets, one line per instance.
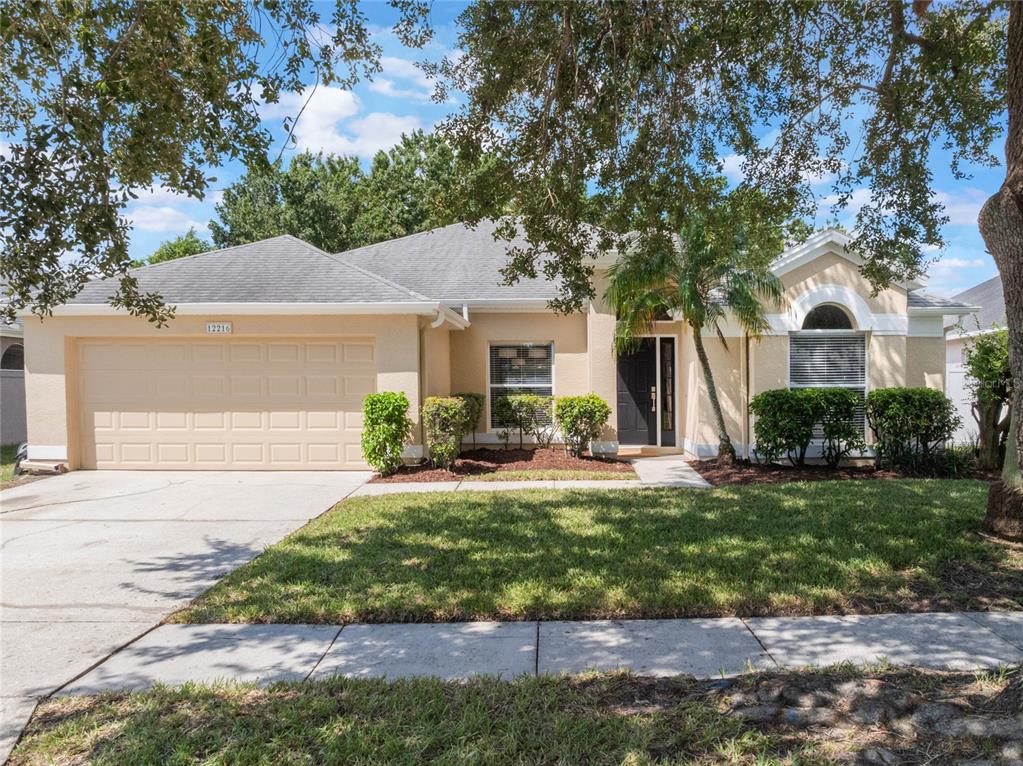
[1001, 225]
[989, 423]
[726, 451]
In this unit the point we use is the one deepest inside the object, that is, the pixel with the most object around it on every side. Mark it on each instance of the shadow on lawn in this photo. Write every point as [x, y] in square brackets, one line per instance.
[785, 549]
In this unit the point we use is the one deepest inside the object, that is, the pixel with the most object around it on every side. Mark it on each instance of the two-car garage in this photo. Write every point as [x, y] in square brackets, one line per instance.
[244, 404]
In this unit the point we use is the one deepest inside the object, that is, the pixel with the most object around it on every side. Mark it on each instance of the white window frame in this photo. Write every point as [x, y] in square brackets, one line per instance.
[490, 386]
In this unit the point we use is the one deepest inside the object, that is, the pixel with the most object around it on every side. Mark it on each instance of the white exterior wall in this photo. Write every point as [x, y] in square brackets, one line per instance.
[956, 390]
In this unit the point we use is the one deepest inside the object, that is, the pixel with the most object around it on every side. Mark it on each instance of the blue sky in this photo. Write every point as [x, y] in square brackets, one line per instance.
[373, 115]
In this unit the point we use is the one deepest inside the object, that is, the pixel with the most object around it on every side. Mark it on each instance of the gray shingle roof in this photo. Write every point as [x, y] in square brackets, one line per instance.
[279, 270]
[452, 264]
[919, 300]
[989, 296]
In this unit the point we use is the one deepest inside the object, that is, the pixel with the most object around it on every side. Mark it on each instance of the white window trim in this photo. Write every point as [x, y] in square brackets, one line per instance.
[490, 344]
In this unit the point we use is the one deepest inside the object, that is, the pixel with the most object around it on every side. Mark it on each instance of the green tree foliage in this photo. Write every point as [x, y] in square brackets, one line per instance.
[639, 102]
[407, 189]
[180, 247]
[989, 378]
[317, 199]
[330, 202]
[703, 276]
[99, 99]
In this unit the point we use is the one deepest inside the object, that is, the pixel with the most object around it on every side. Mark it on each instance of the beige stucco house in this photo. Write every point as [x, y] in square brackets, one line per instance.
[275, 344]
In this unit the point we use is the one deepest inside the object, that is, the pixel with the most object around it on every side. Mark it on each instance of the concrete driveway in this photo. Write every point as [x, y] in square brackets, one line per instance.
[92, 559]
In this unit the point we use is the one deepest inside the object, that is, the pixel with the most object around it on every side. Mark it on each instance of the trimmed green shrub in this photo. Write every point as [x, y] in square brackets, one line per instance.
[838, 423]
[784, 424]
[537, 417]
[787, 419]
[911, 426]
[510, 414]
[581, 420]
[528, 414]
[444, 421]
[385, 429]
[473, 412]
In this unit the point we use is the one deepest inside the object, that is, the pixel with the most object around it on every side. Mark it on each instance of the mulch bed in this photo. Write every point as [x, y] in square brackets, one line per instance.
[483, 461]
[747, 472]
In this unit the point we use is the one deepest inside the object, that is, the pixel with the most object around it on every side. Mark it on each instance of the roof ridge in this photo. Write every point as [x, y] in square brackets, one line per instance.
[402, 238]
[366, 272]
[217, 251]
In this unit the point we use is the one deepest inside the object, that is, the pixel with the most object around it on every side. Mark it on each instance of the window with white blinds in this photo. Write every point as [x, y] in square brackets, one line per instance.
[524, 368]
[821, 359]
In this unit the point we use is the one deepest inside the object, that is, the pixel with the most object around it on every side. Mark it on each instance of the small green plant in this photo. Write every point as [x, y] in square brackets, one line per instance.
[444, 420]
[386, 427]
[474, 404]
[504, 436]
[911, 427]
[581, 419]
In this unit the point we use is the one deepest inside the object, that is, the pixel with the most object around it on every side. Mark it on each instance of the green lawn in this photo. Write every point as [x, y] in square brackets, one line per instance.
[8, 452]
[484, 721]
[801, 548]
[553, 474]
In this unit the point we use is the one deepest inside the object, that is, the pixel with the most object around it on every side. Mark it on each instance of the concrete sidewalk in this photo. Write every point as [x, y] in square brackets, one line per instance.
[174, 654]
[661, 471]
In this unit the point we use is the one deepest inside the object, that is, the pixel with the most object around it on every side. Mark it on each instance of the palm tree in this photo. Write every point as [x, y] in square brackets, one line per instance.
[699, 279]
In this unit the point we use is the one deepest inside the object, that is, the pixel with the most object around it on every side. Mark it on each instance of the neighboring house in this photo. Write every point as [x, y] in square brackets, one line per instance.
[12, 384]
[989, 315]
[275, 344]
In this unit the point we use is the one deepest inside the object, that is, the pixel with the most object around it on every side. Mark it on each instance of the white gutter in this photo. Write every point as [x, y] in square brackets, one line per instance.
[272, 309]
[938, 311]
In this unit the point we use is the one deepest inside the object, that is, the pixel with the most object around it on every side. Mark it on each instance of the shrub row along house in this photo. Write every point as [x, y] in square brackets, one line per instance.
[276, 343]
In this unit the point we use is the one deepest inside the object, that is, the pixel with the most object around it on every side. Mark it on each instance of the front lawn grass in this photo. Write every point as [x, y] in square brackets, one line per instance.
[800, 548]
[338, 721]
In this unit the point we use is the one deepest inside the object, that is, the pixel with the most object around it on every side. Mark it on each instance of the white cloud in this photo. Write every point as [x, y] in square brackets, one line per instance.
[952, 273]
[731, 166]
[325, 124]
[857, 199]
[162, 218]
[375, 131]
[962, 207]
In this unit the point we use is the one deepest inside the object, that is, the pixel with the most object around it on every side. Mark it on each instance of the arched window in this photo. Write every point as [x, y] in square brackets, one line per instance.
[827, 316]
[13, 358]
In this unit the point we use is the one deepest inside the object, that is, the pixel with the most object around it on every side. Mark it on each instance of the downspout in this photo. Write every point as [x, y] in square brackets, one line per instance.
[746, 398]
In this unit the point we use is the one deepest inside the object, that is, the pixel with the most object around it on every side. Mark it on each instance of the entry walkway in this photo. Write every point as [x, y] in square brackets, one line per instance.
[661, 471]
[175, 654]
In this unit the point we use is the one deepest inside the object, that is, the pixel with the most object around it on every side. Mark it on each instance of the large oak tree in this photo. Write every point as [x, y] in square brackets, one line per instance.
[639, 101]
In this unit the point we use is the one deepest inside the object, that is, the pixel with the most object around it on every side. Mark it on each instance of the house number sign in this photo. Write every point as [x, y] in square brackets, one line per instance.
[218, 328]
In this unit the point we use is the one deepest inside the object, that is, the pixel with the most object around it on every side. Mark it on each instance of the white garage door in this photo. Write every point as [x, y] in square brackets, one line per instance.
[224, 404]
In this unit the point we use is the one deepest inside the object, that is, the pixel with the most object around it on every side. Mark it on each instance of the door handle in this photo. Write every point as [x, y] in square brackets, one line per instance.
[653, 396]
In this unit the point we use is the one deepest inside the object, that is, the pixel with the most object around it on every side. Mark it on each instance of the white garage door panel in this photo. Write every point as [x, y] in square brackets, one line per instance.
[224, 404]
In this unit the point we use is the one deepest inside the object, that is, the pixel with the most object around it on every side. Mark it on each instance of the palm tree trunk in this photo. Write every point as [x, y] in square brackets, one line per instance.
[726, 451]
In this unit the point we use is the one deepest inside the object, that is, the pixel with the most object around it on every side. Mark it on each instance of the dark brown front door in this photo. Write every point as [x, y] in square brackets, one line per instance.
[637, 395]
